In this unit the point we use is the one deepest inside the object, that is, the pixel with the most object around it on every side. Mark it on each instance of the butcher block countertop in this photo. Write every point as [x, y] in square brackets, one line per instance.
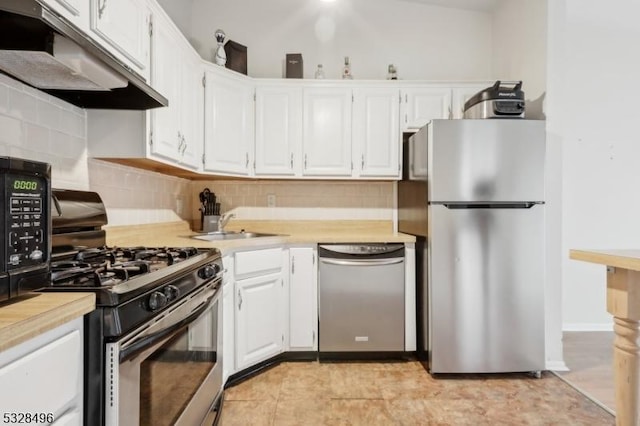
[626, 259]
[35, 313]
[288, 232]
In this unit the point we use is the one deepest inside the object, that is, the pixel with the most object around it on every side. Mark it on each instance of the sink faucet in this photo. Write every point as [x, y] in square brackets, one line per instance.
[224, 219]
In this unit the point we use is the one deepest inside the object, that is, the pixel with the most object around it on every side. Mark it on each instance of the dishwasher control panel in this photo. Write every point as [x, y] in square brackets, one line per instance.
[381, 250]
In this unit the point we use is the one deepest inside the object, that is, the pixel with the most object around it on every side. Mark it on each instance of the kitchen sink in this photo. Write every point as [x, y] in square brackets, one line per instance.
[231, 235]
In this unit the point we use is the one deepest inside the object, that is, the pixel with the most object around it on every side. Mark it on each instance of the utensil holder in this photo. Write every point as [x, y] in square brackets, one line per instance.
[210, 223]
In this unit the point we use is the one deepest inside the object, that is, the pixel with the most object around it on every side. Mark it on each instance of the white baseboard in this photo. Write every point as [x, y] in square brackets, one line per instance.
[556, 365]
[587, 327]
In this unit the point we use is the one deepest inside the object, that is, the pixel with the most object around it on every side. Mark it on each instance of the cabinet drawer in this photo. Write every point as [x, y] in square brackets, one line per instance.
[258, 261]
[45, 380]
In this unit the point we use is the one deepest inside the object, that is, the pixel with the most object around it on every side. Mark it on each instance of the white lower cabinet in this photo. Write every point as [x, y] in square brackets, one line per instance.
[258, 332]
[259, 299]
[303, 296]
[43, 377]
[228, 320]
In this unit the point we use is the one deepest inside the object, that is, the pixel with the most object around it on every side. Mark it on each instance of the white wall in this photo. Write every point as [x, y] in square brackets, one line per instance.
[36, 126]
[593, 70]
[179, 11]
[423, 41]
[520, 48]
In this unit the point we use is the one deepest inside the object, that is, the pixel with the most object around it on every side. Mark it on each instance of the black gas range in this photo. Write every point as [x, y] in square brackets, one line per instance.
[133, 284]
[158, 313]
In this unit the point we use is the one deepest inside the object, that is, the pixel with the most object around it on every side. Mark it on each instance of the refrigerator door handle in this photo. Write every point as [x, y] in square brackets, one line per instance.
[461, 206]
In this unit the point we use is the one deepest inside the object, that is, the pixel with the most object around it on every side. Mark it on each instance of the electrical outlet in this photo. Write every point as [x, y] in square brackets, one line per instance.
[271, 200]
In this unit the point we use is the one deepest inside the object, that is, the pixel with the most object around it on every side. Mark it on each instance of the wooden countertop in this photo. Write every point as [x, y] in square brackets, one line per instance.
[35, 313]
[288, 232]
[626, 259]
[623, 302]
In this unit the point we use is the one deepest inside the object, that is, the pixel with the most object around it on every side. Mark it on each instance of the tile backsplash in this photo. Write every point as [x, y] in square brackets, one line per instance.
[36, 126]
[301, 200]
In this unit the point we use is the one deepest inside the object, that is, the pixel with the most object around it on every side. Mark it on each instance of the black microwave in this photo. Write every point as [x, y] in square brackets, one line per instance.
[25, 193]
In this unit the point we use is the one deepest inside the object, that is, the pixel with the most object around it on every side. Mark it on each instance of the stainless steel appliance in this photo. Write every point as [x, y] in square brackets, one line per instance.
[361, 299]
[42, 49]
[473, 193]
[25, 190]
[153, 346]
[505, 99]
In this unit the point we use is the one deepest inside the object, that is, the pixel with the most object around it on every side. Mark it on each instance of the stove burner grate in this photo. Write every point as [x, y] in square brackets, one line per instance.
[109, 266]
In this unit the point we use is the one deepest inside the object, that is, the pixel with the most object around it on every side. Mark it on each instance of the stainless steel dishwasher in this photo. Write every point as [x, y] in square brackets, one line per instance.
[361, 298]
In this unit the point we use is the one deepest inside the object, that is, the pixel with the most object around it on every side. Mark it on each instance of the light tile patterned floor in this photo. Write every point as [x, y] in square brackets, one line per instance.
[589, 356]
[403, 393]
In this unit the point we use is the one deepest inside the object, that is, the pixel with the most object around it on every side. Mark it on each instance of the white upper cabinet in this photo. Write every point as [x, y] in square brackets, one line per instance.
[462, 95]
[278, 130]
[124, 28]
[176, 130]
[376, 132]
[192, 111]
[229, 123]
[165, 78]
[74, 11]
[423, 104]
[327, 131]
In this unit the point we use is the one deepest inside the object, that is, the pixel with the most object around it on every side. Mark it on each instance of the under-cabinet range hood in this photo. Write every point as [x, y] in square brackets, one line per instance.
[41, 49]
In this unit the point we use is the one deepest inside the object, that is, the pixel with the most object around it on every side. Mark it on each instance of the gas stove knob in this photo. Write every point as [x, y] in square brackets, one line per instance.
[171, 292]
[209, 271]
[157, 300]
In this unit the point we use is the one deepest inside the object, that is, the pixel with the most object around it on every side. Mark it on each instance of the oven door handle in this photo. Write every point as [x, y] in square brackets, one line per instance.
[142, 344]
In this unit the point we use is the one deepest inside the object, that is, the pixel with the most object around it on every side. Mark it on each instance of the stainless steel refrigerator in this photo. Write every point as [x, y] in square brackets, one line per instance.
[473, 194]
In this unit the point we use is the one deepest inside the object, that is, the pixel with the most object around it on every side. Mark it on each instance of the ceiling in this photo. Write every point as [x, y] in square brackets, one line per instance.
[484, 5]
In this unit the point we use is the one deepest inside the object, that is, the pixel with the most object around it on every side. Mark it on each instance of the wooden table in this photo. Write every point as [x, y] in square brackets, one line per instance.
[623, 302]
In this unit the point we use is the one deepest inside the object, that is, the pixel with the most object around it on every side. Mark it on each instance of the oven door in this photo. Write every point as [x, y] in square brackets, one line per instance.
[168, 371]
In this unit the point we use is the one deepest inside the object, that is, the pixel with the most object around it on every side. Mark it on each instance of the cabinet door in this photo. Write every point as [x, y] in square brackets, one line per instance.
[258, 326]
[327, 132]
[192, 109]
[303, 311]
[462, 95]
[278, 130]
[228, 360]
[166, 137]
[228, 125]
[124, 27]
[45, 374]
[376, 132]
[75, 11]
[422, 105]
[228, 319]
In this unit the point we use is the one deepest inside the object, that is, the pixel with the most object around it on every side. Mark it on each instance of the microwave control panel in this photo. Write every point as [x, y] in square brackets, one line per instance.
[26, 230]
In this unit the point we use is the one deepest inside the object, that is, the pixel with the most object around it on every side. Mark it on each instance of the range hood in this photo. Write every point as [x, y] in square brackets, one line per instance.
[42, 50]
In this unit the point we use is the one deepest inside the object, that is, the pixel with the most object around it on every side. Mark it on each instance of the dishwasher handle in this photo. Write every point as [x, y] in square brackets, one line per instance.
[362, 262]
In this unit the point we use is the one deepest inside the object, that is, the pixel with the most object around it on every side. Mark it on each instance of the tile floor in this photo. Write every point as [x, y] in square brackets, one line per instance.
[589, 357]
[403, 393]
